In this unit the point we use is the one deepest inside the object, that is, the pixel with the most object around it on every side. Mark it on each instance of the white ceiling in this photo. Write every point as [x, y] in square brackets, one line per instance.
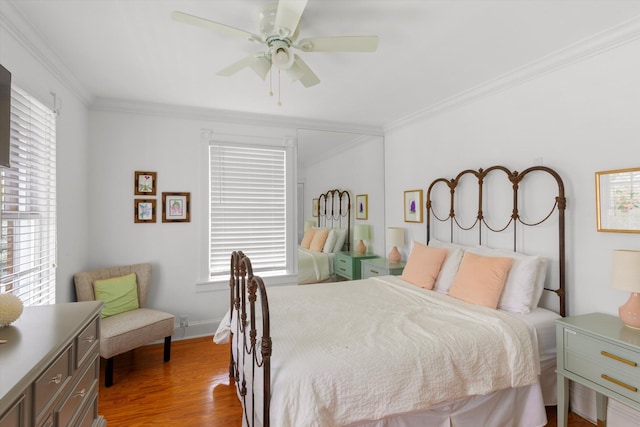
[429, 51]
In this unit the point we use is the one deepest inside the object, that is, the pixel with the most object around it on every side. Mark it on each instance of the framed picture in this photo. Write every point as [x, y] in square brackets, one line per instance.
[175, 207]
[362, 206]
[618, 200]
[315, 207]
[413, 206]
[144, 210]
[145, 183]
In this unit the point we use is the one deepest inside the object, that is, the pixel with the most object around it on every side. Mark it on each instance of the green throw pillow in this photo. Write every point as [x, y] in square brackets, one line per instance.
[119, 294]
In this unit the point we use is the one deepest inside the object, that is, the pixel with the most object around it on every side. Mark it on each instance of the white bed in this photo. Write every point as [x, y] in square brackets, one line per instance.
[458, 339]
[335, 359]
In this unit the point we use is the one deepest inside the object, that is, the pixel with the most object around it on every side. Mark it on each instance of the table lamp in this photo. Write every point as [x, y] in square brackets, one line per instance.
[395, 238]
[625, 275]
[361, 232]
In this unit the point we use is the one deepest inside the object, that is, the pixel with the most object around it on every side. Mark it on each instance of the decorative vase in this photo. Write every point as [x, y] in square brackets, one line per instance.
[10, 309]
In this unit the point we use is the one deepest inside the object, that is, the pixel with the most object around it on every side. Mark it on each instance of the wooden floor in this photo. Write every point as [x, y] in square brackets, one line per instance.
[191, 390]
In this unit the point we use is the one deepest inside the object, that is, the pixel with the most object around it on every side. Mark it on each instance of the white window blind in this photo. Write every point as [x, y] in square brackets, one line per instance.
[28, 232]
[247, 206]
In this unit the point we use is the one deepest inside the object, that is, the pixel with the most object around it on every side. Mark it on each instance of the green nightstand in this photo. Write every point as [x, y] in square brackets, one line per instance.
[381, 267]
[347, 264]
[599, 352]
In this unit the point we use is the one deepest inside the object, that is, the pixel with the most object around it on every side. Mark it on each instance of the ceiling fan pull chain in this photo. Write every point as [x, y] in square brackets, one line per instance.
[271, 81]
[279, 86]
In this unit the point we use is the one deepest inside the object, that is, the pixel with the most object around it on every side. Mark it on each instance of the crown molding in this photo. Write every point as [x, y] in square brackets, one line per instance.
[594, 45]
[226, 116]
[12, 21]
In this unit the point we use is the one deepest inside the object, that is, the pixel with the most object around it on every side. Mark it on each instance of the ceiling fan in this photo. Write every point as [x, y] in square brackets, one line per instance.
[279, 28]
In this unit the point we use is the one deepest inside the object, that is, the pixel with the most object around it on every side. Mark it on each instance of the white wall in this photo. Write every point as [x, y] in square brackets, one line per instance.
[579, 119]
[170, 144]
[33, 73]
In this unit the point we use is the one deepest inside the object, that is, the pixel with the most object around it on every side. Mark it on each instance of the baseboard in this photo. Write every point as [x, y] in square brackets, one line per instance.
[196, 330]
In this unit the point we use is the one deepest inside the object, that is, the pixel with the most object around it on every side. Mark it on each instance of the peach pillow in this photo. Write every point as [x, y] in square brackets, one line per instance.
[318, 240]
[423, 265]
[308, 237]
[480, 279]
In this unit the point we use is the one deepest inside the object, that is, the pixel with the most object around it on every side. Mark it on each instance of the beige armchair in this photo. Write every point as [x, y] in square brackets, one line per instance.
[126, 331]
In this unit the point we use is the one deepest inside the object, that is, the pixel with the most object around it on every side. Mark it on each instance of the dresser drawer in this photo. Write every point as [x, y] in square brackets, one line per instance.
[49, 384]
[344, 265]
[85, 342]
[13, 417]
[80, 393]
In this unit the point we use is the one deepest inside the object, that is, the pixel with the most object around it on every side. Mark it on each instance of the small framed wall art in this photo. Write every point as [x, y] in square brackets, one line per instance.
[362, 206]
[144, 210]
[315, 207]
[145, 183]
[176, 207]
[618, 200]
[413, 206]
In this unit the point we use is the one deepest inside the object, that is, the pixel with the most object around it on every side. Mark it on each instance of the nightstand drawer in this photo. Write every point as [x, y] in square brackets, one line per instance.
[604, 354]
[344, 265]
[609, 378]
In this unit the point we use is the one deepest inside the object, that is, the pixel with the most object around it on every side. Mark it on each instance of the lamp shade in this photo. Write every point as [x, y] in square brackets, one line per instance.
[625, 270]
[395, 236]
[362, 232]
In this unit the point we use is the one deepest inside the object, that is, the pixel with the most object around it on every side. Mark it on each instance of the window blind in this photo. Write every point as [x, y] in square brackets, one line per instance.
[28, 231]
[247, 206]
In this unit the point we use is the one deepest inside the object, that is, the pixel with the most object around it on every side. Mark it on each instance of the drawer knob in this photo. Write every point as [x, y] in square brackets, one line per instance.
[374, 271]
[620, 383]
[618, 358]
[56, 379]
[342, 261]
[80, 393]
[90, 338]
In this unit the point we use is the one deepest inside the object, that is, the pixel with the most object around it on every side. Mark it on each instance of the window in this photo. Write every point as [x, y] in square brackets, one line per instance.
[247, 206]
[28, 204]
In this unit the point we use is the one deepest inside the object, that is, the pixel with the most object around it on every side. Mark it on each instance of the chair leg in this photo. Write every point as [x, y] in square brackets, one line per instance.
[108, 373]
[167, 348]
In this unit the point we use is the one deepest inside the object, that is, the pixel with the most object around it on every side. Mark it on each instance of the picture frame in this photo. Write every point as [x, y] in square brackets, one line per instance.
[315, 207]
[145, 183]
[176, 207]
[362, 206]
[144, 210]
[413, 206]
[618, 200]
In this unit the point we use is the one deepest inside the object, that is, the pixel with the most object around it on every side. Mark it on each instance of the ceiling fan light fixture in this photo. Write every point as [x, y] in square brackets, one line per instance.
[281, 56]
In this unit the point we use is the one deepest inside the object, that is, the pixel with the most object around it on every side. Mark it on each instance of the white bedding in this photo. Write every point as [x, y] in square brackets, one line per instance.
[328, 369]
[314, 267]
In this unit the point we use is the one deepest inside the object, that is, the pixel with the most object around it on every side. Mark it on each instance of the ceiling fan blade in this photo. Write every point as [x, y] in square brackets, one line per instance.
[339, 44]
[288, 16]
[256, 62]
[301, 71]
[223, 29]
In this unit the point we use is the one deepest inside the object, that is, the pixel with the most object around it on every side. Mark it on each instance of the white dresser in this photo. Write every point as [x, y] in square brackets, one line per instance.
[49, 367]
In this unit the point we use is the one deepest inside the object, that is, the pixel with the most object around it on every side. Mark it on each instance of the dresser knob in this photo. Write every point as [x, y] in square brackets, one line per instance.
[56, 379]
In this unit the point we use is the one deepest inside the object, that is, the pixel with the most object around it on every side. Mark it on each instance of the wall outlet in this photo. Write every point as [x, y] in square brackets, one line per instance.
[184, 321]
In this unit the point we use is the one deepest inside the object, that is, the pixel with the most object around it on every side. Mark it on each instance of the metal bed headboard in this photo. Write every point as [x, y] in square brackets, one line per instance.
[516, 180]
[334, 208]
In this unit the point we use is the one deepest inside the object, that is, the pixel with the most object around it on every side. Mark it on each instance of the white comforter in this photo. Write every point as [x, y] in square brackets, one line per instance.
[367, 349]
[313, 267]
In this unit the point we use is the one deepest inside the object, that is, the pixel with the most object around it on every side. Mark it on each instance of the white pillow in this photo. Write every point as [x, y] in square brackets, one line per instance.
[330, 243]
[340, 239]
[450, 265]
[525, 281]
